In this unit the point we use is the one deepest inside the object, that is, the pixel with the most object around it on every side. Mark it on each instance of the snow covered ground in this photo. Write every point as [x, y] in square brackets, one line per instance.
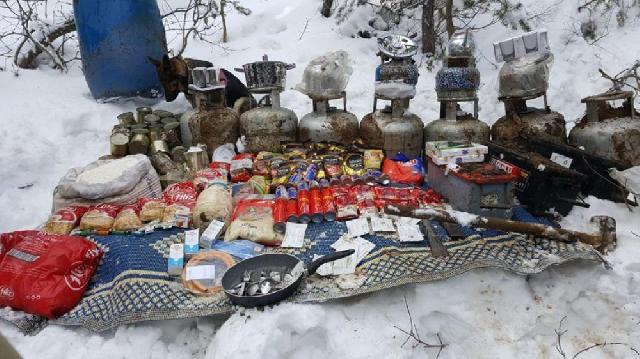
[50, 123]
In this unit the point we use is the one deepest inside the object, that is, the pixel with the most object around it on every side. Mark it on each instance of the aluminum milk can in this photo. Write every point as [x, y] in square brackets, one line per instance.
[609, 132]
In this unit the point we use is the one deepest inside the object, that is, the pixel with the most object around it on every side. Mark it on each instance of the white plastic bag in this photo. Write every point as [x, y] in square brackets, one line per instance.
[326, 76]
[629, 178]
[525, 76]
[105, 178]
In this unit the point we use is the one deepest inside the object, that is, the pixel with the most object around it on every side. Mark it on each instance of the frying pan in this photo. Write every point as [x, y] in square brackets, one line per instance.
[264, 262]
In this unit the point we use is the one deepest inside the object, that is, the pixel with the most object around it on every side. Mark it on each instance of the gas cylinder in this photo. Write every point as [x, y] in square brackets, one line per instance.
[458, 81]
[265, 126]
[525, 76]
[609, 132]
[328, 124]
[455, 126]
[212, 123]
[393, 128]
[521, 124]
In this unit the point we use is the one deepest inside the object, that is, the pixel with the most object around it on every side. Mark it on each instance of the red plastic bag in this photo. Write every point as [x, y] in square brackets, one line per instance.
[45, 274]
[408, 172]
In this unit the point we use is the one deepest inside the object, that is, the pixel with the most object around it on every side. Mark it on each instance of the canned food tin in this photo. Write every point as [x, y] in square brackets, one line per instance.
[151, 119]
[177, 154]
[159, 146]
[119, 144]
[162, 113]
[142, 112]
[171, 134]
[126, 119]
[139, 141]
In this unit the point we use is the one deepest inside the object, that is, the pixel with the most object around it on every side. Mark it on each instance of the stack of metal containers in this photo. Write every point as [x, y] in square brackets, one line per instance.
[264, 127]
[393, 128]
[458, 81]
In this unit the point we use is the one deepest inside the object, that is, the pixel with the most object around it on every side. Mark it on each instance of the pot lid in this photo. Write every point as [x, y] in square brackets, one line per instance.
[397, 46]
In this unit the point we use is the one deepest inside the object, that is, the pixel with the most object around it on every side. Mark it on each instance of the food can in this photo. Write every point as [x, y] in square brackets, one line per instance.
[126, 119]
[177, 154]
[159, 146]
[165, 120]
[197, 159]
[162, 113]
[328, 204]
[304, 205]
[142, 112]
[280, 215]
[315, 202]
[151, 119]
[119, 143]
[139, 141]
[292, 205]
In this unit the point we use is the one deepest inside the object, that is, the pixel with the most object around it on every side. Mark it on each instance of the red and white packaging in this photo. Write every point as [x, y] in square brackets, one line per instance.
[64, 220]
[45, 274]
[180, 192]
[241, 166]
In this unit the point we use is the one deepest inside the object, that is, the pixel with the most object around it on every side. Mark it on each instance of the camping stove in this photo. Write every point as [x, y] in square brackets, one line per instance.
[458, 81]
[212, 123]
[393, 128]
[265, 126]
[609, 132]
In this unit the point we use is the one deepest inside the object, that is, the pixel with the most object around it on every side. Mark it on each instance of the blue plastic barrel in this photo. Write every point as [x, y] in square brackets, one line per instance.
[116, 37]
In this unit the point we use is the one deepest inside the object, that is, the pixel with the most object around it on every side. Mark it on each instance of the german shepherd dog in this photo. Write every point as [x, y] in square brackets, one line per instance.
[175, 76]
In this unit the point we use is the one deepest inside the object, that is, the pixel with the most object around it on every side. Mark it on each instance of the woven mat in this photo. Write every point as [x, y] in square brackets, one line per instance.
[131, 284]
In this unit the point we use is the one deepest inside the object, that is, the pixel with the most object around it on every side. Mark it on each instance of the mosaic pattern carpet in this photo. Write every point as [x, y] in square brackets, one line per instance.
[131, 284]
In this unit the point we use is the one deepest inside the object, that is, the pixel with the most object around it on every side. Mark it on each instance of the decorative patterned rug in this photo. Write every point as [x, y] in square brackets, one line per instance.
[131, 284]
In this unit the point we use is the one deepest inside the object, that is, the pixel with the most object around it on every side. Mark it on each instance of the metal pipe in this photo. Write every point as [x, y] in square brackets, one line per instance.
[602, 241]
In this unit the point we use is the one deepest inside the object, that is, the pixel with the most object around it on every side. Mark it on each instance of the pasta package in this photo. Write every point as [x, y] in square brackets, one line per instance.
[64, 220]
[99, 217]
[128, 218]
[151, 209]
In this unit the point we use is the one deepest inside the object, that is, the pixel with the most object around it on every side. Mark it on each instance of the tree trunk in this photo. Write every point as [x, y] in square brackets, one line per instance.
[223, 3]
[449, 16]
[428, 28]
[326, 8]
[28, 60]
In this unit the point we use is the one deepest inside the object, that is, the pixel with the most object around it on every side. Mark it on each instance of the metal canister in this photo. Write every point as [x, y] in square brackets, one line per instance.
[155, 131]
[126, 119]
[163, 163]
[151, 119]
[304, 205]
[139, 141]
[292, 204]
[166, 120]
[119, 142]
[142, 112]
[159, 146]
[171, 134]
[138, 125]
[162, 113]
[197, 158]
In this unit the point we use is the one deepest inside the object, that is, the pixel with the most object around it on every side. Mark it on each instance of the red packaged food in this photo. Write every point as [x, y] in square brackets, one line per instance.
[203, 178]
[180, 192]
[315, 204]
[241, 166]
[64, 220]
[328, 204]
[346, 205]
[304, 205]
[409, 171]
[45, 274]
[99, 217]
[365, 197]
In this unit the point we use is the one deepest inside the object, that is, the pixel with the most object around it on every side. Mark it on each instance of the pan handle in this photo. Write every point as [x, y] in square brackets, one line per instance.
[313, 266]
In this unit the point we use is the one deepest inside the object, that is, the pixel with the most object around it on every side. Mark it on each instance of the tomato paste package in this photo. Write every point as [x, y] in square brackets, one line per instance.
[403, 170]
[128, 219]
[151, 209]
[45, 274]
[241, 166]
[64, 220]
[345, 202]
[179, 192]
[99, 217]
[365, 198]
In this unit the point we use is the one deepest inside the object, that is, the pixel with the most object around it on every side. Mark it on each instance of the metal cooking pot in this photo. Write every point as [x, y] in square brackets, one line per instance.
[264, 76]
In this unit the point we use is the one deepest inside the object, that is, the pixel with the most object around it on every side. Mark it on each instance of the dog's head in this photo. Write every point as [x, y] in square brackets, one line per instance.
[173, 75]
